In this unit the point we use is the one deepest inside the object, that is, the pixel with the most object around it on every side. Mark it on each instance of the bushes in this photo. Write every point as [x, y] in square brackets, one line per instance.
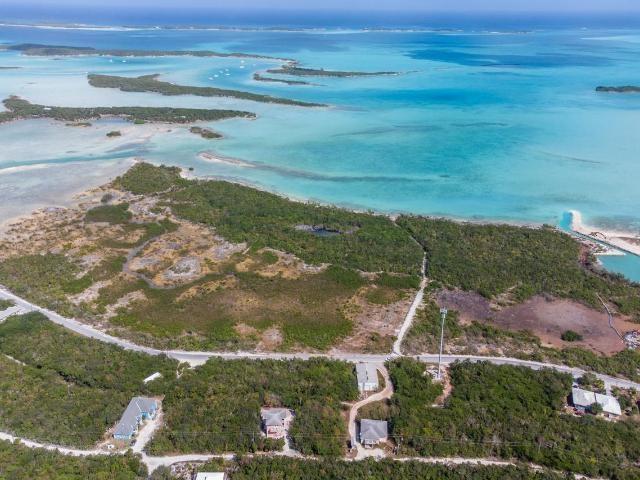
[144, 179]
[34, 340]
[495, 259]
[41, 405]
[150, 83]
[571, 336]
[20, 462]
[510, 412]
[19, 108]
[294, 469]
[72, 388]
[43, 279]
[243, 214]
[115, 214]
[216, 407]
[4, 304]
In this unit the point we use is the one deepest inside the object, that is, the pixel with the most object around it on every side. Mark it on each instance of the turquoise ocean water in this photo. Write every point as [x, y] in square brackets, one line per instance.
[484, 123]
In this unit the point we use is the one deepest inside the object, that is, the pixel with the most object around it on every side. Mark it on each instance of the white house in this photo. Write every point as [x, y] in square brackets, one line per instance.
[583, 399]
[367, 375]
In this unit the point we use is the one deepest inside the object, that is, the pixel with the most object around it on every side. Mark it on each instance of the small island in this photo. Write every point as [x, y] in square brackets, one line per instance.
[623, 89]
[40, 50]
[150, 83]
[205, 133]
[19, 109]
[292, 69]
[261, 78]
[114, 133]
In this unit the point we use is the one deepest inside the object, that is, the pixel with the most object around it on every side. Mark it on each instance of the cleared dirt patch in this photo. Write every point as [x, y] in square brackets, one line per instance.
[547, 318]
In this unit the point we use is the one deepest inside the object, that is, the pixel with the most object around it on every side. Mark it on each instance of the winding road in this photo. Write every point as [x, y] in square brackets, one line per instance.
[198, 358]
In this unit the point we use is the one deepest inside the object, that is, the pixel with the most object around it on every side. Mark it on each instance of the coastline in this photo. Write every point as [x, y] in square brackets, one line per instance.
[213, 157]
[619, 240]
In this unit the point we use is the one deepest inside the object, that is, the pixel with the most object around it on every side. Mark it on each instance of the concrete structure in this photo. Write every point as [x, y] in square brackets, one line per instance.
[209, 476]
[583, 399]
[372, 432]
[274, 422]
[367, 375]
[139, 409]
[152, 377]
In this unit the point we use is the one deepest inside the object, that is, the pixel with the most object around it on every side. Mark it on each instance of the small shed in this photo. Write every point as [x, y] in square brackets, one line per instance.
[152, 377]
[373, 432]
[367, 375]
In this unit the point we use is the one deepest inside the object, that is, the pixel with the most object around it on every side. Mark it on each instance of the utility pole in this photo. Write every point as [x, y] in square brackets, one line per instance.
[443, 313]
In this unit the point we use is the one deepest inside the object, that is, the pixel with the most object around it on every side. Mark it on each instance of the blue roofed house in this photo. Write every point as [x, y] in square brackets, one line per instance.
[138, 410]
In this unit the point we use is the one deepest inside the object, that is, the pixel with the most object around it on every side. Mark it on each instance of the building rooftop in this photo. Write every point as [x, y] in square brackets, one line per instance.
[585, 398]
[373, 430]
[609, 404]
[274, 417]
[366, 373]
[129, 420]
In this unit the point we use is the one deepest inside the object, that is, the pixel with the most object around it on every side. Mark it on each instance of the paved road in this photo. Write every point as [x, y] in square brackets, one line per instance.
[198, 358]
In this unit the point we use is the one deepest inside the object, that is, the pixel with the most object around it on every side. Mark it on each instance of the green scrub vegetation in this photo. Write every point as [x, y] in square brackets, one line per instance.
[290, 468]
[109, 213]
[22, 109]
[20, 462]
[59, 387]
[216, 407]
[496, 259]
[507, 412]
[292, 69]
[150, 83]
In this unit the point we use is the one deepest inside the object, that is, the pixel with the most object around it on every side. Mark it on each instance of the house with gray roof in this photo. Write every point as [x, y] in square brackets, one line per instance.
[274, 421]
[367, 375]
[583, 399]
[138, 410]
[373, 432]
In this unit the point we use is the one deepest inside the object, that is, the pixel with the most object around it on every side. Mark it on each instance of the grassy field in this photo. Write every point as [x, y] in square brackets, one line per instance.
[481, 338]
[216, 407]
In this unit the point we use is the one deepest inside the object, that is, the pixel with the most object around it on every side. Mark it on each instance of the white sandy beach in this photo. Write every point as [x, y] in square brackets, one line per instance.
[626, 241]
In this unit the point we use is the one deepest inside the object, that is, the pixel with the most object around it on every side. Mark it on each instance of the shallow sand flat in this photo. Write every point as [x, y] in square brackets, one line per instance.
[51, 185]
